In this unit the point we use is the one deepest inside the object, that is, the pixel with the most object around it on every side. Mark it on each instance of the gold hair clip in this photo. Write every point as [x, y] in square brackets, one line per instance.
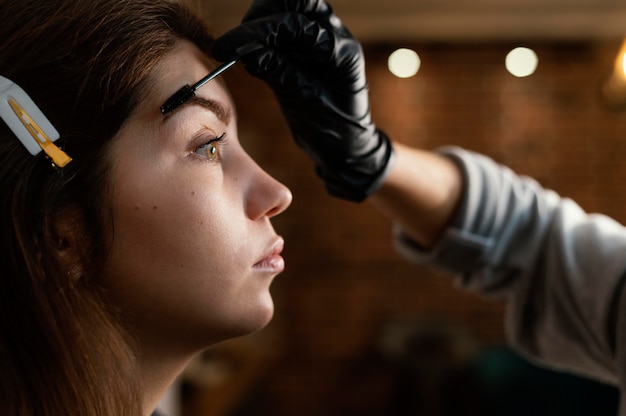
[28, 123]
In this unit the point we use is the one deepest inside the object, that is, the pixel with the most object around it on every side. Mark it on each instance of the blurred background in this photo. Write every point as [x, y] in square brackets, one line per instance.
[357, 329]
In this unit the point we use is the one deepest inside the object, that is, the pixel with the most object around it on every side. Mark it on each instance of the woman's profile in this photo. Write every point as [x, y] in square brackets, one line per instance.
[154, 240]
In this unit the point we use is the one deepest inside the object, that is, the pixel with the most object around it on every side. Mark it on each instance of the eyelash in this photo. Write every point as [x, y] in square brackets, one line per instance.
[208, 150]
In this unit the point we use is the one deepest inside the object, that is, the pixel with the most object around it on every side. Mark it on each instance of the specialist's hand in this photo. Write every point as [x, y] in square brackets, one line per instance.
[315, 68]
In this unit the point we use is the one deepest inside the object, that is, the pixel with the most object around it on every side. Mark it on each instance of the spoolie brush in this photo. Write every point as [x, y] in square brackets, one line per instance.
[188, 91]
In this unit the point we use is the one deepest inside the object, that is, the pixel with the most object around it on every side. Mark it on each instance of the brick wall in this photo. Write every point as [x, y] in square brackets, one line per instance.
[345, 288]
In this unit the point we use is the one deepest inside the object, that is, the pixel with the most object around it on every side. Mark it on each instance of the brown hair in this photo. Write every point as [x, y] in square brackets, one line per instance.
[85, 63]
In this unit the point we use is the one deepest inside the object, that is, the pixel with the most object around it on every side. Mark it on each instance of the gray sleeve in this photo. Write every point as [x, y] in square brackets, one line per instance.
[559, 269]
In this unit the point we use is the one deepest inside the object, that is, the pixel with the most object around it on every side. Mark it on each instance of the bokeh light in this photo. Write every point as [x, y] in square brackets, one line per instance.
[404, 63]
[521, 62]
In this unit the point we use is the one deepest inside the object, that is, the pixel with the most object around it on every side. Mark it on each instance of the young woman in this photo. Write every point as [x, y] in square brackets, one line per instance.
[154, 241]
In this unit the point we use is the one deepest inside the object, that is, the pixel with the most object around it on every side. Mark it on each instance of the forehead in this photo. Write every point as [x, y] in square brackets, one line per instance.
[185, 62]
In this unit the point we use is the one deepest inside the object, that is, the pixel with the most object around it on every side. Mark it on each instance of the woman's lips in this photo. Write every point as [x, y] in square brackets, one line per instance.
[272, 261]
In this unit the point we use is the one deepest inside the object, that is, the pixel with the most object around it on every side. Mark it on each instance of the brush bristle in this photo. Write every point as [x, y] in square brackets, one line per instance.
[179, 98]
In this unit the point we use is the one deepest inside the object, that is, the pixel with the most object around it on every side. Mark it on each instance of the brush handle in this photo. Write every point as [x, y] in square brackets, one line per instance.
[216, 72]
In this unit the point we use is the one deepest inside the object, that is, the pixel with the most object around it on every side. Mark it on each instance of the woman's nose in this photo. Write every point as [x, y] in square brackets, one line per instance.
[266, 196]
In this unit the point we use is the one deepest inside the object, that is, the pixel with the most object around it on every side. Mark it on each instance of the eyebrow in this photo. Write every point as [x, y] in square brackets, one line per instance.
[221, 111]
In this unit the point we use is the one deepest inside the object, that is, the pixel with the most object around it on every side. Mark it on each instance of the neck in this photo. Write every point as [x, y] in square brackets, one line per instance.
[160, 367]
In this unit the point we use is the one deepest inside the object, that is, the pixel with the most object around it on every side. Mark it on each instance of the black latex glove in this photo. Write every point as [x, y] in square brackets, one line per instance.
[315, 68]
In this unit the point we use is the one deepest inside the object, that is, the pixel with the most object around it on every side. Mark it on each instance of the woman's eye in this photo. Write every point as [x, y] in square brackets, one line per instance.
[211, 149]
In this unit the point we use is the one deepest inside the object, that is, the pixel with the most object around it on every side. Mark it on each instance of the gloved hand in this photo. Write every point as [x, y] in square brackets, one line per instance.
[315, 68]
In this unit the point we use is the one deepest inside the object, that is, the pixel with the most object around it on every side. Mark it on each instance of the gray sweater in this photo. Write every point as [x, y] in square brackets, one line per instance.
[561, 270]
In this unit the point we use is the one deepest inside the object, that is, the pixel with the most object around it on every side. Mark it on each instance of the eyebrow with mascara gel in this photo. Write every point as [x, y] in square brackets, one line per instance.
[188, 91]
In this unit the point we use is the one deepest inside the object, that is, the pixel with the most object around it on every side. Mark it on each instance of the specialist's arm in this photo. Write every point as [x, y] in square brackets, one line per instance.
[560, 269]
[421, 193]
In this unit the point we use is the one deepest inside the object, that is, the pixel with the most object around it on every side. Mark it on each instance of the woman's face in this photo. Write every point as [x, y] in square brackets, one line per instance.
[193, 252]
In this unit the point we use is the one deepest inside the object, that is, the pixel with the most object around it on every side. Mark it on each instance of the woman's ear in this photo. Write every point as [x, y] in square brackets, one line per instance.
[70, 242]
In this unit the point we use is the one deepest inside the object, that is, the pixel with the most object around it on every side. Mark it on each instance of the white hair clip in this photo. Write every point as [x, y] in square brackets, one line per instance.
[28, 123]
